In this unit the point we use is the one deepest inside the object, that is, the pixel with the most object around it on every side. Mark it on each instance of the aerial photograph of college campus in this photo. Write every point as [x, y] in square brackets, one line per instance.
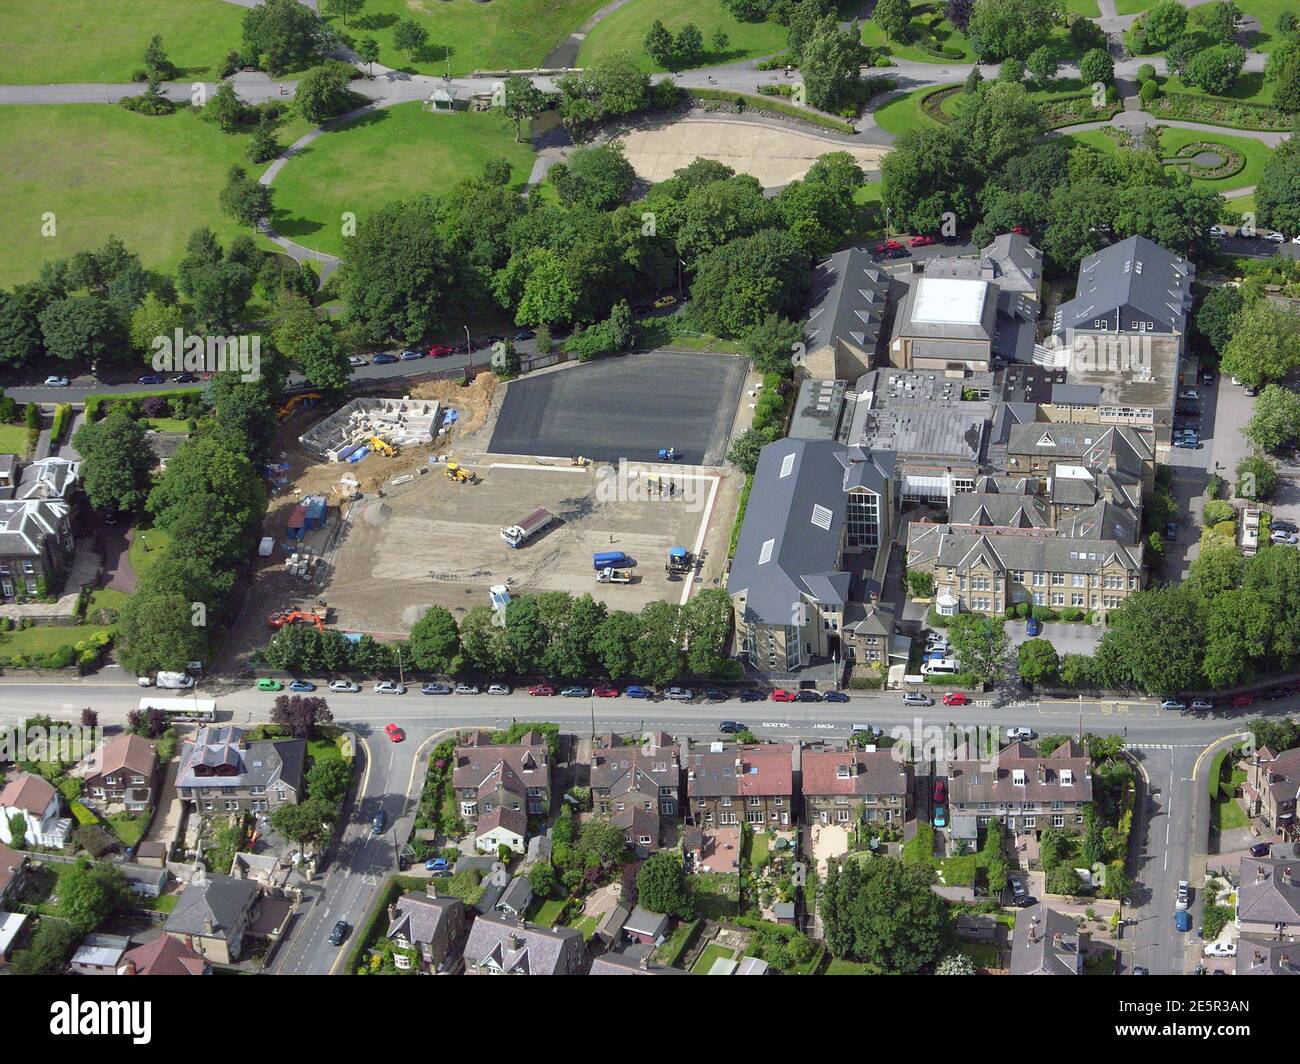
[650, 487]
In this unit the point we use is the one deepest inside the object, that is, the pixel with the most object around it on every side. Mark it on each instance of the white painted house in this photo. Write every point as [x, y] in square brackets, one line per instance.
[34, 799]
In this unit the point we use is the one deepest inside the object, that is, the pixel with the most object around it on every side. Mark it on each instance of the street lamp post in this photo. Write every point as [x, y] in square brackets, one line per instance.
[468, 343]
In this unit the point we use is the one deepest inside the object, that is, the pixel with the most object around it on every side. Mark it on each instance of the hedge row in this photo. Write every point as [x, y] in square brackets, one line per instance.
[744, 101]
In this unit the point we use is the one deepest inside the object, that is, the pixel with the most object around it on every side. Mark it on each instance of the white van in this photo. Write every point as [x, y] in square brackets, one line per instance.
[944, 667]
[176, 681]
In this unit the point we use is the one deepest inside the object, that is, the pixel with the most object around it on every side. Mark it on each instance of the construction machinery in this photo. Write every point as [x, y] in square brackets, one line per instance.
[667, 454]
[283, 617]
[457, 472]
[518, 535]
[679, 560]
[578, 460]
[306, 399]
[381, 446]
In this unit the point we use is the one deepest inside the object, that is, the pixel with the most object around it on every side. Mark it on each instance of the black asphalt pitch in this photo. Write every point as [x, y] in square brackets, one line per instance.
[625, 407]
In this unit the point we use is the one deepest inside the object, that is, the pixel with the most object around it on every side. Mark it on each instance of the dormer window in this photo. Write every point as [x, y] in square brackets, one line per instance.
[1067, 777]
[843, 772]
[1017, 777]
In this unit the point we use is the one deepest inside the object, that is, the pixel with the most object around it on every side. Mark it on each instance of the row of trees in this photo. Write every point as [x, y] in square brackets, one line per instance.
[1198, 45]
[552, 634]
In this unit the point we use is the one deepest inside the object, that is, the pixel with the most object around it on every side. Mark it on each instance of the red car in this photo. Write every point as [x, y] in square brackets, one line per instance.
[888, 245]
[394, 732]
[940, 791]
[956, 698]
[604, 692]
[1019, 230]
[780, 695]
[440, 350]
[1243, 700]
[541, 689]
[921, 241]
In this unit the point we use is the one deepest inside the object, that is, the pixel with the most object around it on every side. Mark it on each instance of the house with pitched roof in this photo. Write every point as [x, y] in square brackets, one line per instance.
[625, 964]
[13, 867]
[502, 945]
[1272, 781]
[222, 771]
[852, 786]
[435, 928]
[846, 312]
[1025, 791]
[36, 542]
[1268, 898]
[638, 787]
[1046, 942]
[740, 784]
[1265, 955]
[123, 770]
[498, 787]
[38, 803]
[165, 955]
[213, 916]
[812, 501]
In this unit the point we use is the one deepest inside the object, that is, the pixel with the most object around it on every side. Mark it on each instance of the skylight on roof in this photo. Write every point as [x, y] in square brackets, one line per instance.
[787, 464]
[821, 517]
[765, 554]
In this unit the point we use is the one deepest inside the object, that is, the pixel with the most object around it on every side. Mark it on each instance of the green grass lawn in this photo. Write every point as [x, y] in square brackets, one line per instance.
[846, 967]
[1131, 7]
[45, 639]
[546, 912]
[102, 171]
[982, 954]
[128, 829]
[394, 153]
[944, 32]
[711, 954]
[586, 925]
[758, 851]
[1267, 12]
[1086, 8]
[89, 40]
[1249, 88]
[904, 113]
[1255, 153]
[167, 424]
[625, 30]
[13, 439]
[473, 36]
[147, 546]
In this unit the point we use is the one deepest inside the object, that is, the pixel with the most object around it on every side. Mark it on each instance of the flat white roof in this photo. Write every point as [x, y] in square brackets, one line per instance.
[1073, 472]
[949, 301]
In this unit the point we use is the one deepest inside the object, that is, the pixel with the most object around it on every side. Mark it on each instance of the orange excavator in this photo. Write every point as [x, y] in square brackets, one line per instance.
[282, 617]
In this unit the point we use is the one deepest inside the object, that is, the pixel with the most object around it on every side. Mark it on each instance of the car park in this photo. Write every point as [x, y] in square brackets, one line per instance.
[916, 698]
[339, 932]
[384, 359]
[576, 692]
[541, 690]
[1221, 949]
[730, 727]
[380, 823]
[752, 694]
[1202, 705]
[56, 382]
[344, 687]
[435, 689]
[498, 689]
[1033, 626]
[679, 694]
[270, 685]
[1173, 705]
[835, 696]
[781, 695]
[956, 698]
[808, 696]
[635, 691]
[604, 691]
[302, 686]
[1184, 898]
[388, 687]
[1016, 735]
[466, 689]
[394, 733]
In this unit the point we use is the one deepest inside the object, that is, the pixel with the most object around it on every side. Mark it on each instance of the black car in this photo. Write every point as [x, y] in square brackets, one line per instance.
[339, 932]
[384, 359]
[149, 378]
[730, 727]
[1274, 693]
[712, 694]
[1187, 410]
[835, 696]
[380, 824]
[751, 695]
[1171, 530]
[185, 378]
[1261, 849]
[808, 696]
[1284, 526]
[526, 334]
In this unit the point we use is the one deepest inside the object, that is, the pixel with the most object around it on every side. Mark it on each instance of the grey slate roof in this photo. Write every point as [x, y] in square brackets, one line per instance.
[848, 301]
[1017, 265]
[1046, 943]
[517, 897]
[948, 546]
[1136, 275]
[1076, 394]
[219, 899]
[1269, 891]
[25, 526]
[1257, 955]
[644, 922]
[969, 783]
[263, 763]
[505, 944]
[1003, 511]
[623, 964]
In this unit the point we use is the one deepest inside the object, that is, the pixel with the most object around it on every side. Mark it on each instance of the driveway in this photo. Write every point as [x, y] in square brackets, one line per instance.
[1073, 638]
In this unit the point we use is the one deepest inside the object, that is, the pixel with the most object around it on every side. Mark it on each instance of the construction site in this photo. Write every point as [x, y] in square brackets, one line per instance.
[380, 426]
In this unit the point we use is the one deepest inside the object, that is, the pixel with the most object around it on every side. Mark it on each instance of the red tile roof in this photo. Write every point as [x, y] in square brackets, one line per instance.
[27, 792]
[871, 773]
[164, 956]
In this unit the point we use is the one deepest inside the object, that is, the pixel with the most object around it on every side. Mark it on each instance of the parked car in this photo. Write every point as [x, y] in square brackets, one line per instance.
[921, 241]
[1017, 735]
[435, 689]
[665, 301]
[1184, 899]
[270, 685]
[1174, 705]
[1139, 970]
[1283, 537]
[436, 864]
[1261, 849]
[576, 692]
[440, 350]
[1284, 526]
[357, 360]
[380, 823]
[541, 690]
[940, 791]
[344, 687]
[679, 694]
[835, 696]
[1202, 705]
[149, 378]
[1017, 885]
[637, 691]
[56, 382]
[1221, 949]
[302, 686]
[1188, 444]
[889, 247]
[498, 689]
[412, 356]
[730, 727]
[604, 691]
[940, 817]
[916, 698]
[956, 698]
[466, 689]
[338, 933]
[1190, 394]
[1171, 530]
[394, 733]
[388, 687]
[1218, 231]
[866, 729]
[808, 696]
[1182, 921]
[185, 378]
[525, 334]
[713, 694]
[1274, 238]
[752, 694]
[1244, 699]
[1207, 376]
[782, 695]
[384, 359]
[1033, 626]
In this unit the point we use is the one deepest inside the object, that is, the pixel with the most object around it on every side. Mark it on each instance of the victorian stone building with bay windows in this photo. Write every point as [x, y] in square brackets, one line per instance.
[1026, 792]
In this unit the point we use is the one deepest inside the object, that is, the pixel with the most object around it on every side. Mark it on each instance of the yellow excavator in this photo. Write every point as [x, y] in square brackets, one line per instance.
[461, 475]
[379, 446]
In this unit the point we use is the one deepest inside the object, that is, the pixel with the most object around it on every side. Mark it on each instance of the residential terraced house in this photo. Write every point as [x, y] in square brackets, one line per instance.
[1268, 898]
[499, 787]
[1272, 781]
[851, 786]
[222, 771]
[739, 784]
[1261, 955]
[812, 502]
[502, 945]
[121, 770]
[638, 787]
[38, 803]
[1026, 792]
